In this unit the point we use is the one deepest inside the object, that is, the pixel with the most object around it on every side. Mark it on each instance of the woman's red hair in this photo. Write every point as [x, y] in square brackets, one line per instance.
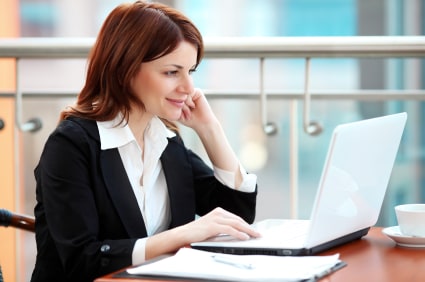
[131, 34]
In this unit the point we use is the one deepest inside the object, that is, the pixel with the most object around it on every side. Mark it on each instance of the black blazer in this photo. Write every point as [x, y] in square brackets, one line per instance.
[87, 217]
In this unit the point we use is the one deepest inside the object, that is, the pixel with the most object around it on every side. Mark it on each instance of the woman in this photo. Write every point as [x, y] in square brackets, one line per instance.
[115, 184]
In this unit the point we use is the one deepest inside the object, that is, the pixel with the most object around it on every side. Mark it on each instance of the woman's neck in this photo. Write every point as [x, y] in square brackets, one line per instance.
[138, 122]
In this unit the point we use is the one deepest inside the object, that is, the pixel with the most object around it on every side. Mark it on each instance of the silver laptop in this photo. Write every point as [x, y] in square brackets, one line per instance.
[348, 201]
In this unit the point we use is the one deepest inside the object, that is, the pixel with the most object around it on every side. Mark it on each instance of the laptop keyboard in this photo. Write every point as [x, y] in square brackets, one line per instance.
[283, 230]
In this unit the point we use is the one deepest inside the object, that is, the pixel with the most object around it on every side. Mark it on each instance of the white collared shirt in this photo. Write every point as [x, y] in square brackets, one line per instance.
[146, 175]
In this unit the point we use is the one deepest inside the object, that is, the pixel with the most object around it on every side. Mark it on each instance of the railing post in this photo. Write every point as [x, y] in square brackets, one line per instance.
[269, 128]
[310, 127]
[293, 158]
[31, 125]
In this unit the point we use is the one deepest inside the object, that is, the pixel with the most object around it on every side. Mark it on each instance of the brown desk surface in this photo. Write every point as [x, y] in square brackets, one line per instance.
[373, 258]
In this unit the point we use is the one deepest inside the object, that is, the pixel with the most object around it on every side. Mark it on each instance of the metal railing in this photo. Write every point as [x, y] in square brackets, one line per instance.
[245, 47]
[248, 47]
[238, 47]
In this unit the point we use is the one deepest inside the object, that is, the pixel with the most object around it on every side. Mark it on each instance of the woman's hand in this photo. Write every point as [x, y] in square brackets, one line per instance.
[218, 221]
[196, 111]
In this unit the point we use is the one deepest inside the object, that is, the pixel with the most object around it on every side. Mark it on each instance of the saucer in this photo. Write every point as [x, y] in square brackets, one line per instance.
[404, 240]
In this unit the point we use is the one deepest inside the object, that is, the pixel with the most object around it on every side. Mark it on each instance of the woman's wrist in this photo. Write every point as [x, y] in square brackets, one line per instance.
[166, 242]
[207, 129]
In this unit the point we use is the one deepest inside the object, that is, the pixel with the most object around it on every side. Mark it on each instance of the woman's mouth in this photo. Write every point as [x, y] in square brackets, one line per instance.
[177, 102]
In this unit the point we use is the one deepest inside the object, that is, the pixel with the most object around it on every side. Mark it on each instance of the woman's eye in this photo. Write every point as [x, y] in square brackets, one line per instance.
[171, 73]
[192, 71]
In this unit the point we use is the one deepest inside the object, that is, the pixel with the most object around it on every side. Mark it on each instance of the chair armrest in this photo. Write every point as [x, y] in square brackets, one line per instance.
[25, 222]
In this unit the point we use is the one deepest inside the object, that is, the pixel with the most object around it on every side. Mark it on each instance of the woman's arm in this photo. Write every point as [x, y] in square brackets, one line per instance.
[218, 221]
[198, 115]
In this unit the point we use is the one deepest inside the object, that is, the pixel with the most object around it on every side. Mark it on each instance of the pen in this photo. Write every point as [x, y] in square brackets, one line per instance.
[230, 261]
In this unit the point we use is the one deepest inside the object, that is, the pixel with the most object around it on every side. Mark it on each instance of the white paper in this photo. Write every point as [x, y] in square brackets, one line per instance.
[191, 263]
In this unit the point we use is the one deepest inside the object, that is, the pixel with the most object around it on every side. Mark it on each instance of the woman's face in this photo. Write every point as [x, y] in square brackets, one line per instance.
[164, 84]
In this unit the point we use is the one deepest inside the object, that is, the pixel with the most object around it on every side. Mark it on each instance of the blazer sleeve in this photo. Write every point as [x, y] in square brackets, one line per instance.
[211, 193]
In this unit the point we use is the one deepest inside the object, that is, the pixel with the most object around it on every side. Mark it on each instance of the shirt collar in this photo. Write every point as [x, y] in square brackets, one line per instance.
[114, 134]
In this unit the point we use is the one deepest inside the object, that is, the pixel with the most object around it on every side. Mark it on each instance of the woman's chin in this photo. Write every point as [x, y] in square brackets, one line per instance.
[172, 118]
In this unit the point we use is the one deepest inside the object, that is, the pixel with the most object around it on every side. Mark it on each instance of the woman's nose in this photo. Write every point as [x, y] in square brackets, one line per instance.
[186, 85]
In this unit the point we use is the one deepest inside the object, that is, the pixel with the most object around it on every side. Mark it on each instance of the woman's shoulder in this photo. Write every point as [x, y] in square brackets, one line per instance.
[75, 127]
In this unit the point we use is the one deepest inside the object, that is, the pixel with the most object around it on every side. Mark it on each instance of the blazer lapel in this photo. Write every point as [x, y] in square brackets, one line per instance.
[179, 177]
[117, 184]
[122, 195]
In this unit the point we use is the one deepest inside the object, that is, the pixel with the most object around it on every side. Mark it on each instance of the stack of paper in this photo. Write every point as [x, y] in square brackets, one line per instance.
[191, 263]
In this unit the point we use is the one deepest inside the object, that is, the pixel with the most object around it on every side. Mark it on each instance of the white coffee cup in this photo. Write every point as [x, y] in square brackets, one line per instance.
[411, 219]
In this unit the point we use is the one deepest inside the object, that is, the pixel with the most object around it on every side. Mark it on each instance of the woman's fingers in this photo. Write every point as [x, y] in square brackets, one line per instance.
[238, 229]
[231, 224]
[191, 98]
[189, 106]
[186, 113]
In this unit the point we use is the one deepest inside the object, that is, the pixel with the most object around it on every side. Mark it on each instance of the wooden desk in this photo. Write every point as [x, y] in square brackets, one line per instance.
[373, 258]
[377, 258]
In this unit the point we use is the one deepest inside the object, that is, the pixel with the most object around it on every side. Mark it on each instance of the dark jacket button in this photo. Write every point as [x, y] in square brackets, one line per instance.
[105, 248]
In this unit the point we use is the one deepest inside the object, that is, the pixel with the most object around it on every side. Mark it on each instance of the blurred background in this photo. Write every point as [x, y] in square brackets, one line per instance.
[265, 155]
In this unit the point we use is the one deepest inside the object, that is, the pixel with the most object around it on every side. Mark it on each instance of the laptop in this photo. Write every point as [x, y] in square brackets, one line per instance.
[348, 200]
